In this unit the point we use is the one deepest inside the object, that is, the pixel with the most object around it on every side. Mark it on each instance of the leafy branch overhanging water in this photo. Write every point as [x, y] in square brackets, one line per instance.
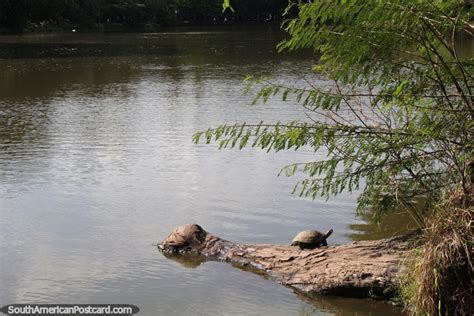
[397, 121]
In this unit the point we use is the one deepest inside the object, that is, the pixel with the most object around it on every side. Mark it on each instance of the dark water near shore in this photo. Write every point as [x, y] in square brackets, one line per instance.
[97, 166]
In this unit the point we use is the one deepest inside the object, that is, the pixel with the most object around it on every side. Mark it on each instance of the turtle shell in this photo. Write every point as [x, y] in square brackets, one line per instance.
[310, 239]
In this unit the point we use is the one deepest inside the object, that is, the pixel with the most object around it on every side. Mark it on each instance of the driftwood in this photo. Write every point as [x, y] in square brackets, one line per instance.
[358, 269]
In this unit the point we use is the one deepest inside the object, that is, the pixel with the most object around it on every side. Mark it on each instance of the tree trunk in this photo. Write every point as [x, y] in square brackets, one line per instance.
[358, 269]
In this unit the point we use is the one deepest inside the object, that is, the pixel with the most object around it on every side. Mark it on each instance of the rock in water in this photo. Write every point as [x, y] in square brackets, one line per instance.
[188, 237]
[192, 238]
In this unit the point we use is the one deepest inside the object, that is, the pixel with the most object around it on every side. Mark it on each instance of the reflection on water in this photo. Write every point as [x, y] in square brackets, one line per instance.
[186, 261]
[347, 306]
[97, 166]
[387, 226]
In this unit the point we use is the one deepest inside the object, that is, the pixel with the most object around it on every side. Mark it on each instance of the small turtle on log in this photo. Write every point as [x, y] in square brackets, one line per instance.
[310, 239]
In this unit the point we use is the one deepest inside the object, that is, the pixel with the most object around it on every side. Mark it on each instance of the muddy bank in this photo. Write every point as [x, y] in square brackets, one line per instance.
[358, 269]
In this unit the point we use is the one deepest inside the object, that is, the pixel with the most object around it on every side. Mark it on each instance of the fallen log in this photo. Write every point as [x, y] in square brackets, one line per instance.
[358, 269]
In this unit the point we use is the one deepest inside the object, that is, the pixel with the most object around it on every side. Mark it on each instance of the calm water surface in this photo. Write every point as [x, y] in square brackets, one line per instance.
[97, 166]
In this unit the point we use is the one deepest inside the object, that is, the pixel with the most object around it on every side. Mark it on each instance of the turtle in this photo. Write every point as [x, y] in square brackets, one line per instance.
[310, 239]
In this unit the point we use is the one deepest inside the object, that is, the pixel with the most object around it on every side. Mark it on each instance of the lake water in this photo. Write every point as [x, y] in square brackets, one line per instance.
[97, 166]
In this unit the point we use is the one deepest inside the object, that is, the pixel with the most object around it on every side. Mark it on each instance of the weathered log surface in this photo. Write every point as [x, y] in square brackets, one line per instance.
[358, 269]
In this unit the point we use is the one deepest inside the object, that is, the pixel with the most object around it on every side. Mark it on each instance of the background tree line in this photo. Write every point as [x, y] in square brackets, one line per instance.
[20, 15]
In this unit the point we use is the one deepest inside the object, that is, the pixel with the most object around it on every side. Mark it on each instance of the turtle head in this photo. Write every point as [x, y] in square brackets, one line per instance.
[326, 236]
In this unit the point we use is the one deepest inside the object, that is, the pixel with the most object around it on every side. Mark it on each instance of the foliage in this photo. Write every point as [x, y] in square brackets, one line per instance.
[13, 14]
[17, 15]
[397, 120]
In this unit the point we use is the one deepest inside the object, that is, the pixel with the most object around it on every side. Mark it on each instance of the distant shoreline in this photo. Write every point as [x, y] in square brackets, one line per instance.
[121, 28]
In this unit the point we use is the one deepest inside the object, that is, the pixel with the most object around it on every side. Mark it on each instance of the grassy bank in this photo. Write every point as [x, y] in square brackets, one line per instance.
[440, 281]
